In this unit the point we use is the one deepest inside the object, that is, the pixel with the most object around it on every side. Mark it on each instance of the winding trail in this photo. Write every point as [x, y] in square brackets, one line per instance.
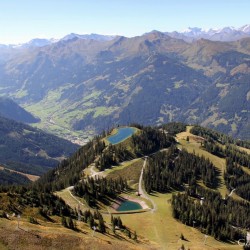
[141, 190]
[93, 173]
[69, 190]
[232, 192]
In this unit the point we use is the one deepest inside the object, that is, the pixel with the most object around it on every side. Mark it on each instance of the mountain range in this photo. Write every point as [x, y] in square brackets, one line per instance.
[78, 87]
[223, 34]
[25, 152]
[40, 42]
[188, 35]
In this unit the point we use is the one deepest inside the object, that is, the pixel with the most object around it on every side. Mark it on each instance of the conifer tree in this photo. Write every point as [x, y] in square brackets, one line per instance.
[70, 223]
[64, 222]
[135, 235]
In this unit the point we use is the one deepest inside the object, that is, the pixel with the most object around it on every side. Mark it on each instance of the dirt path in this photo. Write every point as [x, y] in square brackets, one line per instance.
[69, 190]
[232, 192]
[70, 199]
[93, 173]
[141, 190]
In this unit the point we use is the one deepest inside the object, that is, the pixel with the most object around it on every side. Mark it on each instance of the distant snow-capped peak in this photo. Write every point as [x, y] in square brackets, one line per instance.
[88, 36]
[191, 33]
[194, 29]
[226, 29]
[219, 34]
[245, 28]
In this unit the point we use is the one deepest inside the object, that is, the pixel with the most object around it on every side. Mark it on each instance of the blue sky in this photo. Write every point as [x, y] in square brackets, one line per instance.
[22, 20]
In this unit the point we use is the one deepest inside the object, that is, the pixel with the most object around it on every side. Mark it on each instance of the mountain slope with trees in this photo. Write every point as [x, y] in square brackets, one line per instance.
[85, 85]
[29, 150]
[182, 175]
[11, 110]
[194, 177]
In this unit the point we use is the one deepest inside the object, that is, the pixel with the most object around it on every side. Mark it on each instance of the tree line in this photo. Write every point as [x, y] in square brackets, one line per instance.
[173, 128]
[112, 156]
[99, 189]
[69, 171]
[230, 151]
[222, 218]
[146, 141]
[47, 203]
[172, 169]
[212, 135]
[150, 140]
[236, 178]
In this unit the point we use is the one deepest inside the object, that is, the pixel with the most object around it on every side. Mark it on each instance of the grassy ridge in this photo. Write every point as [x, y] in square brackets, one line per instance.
[194, 146]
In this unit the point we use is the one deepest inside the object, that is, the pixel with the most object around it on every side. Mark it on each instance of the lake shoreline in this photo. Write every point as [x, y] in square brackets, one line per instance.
[117, 203]
[121, 135]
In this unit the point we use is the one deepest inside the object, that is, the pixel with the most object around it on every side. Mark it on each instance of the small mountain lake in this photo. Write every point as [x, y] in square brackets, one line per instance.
[129, 206]
[121, 135]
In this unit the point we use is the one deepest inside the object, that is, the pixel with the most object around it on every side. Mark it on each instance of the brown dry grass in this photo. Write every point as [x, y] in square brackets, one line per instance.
[54, 236]
[244, 149]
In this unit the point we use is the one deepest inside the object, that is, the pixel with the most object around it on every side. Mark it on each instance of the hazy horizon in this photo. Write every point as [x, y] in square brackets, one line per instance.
[25, 20]
[58, 38]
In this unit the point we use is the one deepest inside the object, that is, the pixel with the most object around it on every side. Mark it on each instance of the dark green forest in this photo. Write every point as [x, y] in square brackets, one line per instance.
[215, 136]
[201, 206]
[8, 178]
[29, 150]
[93, 190]
[173, 169]
[197, 206]
[223, 219]
[147, 141]
[104, 156]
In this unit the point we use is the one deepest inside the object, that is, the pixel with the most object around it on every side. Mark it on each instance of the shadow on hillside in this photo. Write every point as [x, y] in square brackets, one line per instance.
[119, 237]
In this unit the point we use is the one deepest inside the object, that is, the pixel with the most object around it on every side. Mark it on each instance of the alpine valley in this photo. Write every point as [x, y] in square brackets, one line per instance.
[82, 84]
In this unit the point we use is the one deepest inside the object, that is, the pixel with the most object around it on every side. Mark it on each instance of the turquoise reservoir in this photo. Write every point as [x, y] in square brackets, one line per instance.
[121, 135]
[129, 206]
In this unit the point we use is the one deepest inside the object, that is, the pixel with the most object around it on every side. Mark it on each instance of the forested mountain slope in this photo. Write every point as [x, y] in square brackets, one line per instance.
[11, 110]
[85, 85]
[29, 150]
